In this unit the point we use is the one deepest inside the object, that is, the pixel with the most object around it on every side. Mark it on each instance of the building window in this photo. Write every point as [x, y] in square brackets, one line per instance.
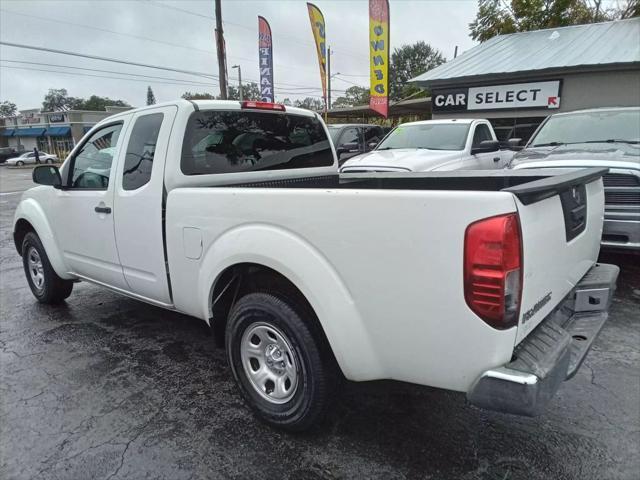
[43, 144]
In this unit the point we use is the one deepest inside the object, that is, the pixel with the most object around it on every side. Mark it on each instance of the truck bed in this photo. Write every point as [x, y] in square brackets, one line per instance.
[528, 186]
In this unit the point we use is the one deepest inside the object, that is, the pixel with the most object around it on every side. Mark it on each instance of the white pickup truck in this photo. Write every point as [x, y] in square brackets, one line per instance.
[435, 145]
[479, 282]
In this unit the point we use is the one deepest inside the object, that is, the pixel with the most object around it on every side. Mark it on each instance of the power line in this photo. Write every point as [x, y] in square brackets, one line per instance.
[107, 59]
[136, 64]
[184, 83]
[100, 29]
[239, 25]
[154, 77]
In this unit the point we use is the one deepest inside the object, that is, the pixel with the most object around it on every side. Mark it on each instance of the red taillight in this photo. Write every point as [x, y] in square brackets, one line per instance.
[492, 269]
[263, 106]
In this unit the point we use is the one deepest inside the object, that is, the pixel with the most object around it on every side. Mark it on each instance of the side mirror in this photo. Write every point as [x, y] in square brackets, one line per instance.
[486, 146]
[47, 175]
[514, 143]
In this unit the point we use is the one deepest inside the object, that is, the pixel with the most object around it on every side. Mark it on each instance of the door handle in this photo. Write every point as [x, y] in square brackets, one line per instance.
[496, 159]
[102, 209]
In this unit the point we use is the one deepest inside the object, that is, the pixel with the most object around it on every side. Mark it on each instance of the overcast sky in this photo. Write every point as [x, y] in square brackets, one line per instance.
[156, 32]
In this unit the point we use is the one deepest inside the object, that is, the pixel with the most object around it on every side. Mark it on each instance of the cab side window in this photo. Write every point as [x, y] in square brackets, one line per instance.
[91, 165]
[349, 136]
[138, 161]
[481, 134]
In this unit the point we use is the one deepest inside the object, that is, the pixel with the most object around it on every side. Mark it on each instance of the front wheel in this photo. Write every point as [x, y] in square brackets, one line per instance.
[20, 163]
[278, 361]
[49, 160]
[44, 282]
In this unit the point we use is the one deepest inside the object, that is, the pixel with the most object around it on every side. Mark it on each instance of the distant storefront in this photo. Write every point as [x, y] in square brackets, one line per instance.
[52, 132]
[517, 80]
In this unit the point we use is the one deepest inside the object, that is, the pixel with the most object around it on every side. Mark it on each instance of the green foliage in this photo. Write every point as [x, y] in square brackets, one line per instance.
[499, 17]
[407, 62]
[151, 98]
[7, 109]
[58, 100]
[310, 103]
[98, 104]
[250, 91]
[353, 96]
[198, 96]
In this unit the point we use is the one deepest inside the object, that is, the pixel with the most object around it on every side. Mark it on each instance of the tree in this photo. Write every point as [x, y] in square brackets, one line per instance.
[353, 96]
[499, 17]
[7, 109]
[287, 101]
[408, 62]
[198, 96]
[250, 91]
[151, 98]
[58, 99]
[310, 103]
[97, 103]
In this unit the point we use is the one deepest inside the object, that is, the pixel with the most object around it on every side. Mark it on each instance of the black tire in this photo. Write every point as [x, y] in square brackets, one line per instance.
[53, 289]
[19, 163]
[316, 374]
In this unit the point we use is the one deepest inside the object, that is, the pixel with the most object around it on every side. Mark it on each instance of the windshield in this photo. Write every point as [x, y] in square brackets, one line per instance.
[589, 127]
[432, 136]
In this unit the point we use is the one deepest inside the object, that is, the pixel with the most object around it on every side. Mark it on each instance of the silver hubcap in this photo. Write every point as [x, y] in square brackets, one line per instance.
[269, 362]
[36, 270]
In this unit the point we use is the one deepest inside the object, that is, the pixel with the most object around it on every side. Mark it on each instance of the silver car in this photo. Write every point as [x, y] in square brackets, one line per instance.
[30, 157]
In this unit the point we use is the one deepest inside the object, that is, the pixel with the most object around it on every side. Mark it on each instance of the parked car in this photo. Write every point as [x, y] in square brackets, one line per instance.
[30, 157]
[502, 300]
[353, 139]
[603, 137]
[457, 144]
[7, 152]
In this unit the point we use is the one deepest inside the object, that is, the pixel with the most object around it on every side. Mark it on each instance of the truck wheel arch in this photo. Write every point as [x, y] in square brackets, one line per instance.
[271, 250]
[30, 218]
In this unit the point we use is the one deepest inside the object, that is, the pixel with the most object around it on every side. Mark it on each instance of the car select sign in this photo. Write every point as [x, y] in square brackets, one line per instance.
[495, 97]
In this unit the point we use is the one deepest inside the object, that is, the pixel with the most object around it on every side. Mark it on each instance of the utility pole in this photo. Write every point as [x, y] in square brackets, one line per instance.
[239, 81]
[328, 78]
[455, 52]
[222, 56]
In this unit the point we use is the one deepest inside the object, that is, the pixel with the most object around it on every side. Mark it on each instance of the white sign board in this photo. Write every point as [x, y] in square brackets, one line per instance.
[517, 95]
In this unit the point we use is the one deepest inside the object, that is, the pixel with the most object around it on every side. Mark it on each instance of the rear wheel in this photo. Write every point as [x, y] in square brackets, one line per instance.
[278, 361]
[49, 160]
[44, 282]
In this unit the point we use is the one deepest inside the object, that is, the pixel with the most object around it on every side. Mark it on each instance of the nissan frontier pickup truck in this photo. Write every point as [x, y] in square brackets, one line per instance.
[482, 282]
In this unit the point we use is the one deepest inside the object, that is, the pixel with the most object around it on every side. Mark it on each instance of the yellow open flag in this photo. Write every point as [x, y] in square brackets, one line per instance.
[317, 27]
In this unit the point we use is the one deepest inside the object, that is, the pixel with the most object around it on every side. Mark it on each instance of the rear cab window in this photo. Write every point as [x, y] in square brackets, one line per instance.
[218, 141]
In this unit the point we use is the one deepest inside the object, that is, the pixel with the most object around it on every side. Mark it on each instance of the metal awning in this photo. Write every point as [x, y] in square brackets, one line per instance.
[58, 131]
[7, 132]
[30, 132]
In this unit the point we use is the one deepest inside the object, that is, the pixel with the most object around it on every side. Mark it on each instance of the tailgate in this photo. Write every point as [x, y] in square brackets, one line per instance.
[561, 221]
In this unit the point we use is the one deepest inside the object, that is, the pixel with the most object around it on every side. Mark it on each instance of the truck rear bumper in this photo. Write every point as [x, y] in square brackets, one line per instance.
[552, 353]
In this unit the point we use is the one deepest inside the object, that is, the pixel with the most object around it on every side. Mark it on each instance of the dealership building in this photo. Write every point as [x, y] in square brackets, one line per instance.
[516, 80]
[51, 132]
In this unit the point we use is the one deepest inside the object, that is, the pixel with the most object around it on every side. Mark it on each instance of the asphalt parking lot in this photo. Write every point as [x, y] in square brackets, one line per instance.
[105, 387]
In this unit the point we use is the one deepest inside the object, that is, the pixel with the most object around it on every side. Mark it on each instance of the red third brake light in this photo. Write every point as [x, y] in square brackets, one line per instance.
[493, 269]
[263, 106]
